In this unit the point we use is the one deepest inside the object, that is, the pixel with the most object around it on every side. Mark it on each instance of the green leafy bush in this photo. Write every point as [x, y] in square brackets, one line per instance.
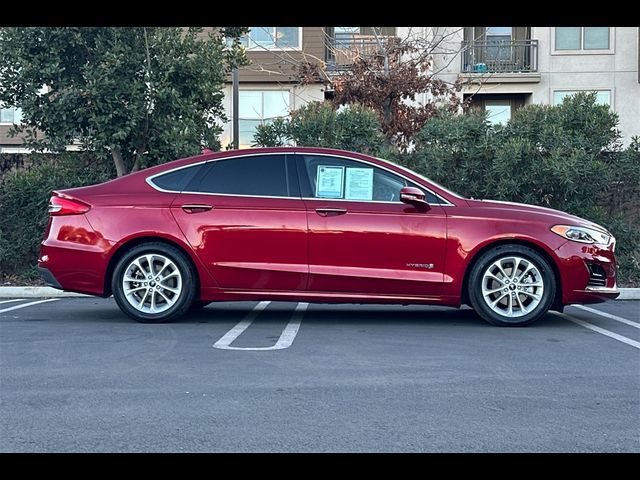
[24, 195]
[566, 157]
[317, 124]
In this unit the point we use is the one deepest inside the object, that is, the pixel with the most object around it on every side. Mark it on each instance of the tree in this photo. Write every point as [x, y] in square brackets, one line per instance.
[140, 95]
[389, 79]
[395, 74]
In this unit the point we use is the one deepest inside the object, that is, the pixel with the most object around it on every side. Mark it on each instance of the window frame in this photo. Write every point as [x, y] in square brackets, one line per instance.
[582, 51]
[292, 177]
[253, 46]
[14, 116]
[508, 103]
[262, 119]
[304, 179]
[576, 90]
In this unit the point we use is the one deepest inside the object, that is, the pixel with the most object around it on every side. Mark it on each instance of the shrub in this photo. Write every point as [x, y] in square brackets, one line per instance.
[454, 150]
[566, 157]
[24, 195]
[317, 124]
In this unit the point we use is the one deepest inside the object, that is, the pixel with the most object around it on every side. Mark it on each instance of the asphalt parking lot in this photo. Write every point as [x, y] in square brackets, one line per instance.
[78, 375]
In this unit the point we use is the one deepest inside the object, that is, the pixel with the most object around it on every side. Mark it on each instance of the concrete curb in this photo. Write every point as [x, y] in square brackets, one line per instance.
[48, 292]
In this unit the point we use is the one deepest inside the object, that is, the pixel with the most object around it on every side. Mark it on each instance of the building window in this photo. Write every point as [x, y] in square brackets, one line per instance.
[257, 107]
[274, 38]
[603, 97]
[498, 111]
[498, 43]
[10, 116]
[582, 38]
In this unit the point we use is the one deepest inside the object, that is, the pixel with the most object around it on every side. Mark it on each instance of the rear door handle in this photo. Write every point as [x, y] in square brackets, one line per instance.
[325, 212]
[196, 208]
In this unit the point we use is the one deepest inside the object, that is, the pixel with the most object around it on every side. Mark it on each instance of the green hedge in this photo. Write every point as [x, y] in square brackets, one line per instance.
[566, 157]
[24, 196]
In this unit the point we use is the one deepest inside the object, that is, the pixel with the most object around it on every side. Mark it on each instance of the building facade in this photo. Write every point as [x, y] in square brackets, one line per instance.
[503, 68]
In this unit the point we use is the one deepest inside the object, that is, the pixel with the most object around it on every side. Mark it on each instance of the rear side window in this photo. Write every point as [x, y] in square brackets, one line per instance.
[177, 180]
[257, 175]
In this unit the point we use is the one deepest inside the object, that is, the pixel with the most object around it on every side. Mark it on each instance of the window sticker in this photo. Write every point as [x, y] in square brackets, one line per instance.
[329, 181]
[359, 184]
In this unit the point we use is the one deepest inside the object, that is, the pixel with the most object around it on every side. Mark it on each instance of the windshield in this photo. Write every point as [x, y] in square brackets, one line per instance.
[450, 192]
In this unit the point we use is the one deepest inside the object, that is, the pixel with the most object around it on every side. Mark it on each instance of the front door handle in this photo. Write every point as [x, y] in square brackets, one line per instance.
[325, 212]
[196, 208]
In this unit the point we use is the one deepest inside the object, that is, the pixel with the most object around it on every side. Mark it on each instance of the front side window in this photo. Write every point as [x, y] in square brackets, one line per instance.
[252, 175]
[343, 179]
[11, 115]
[582, 38]
[272, 38]
[257, 107]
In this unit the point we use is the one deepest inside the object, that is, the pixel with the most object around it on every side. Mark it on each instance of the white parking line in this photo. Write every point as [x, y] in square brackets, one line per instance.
[608, 315]
[14, 300]
[286, 337]
[27, 305]
[603, 331]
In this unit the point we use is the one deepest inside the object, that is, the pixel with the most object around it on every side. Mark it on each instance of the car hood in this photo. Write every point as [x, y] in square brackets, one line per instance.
[553, 216]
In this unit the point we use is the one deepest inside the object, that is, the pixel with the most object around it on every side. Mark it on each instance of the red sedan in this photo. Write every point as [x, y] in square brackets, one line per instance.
[316, 225]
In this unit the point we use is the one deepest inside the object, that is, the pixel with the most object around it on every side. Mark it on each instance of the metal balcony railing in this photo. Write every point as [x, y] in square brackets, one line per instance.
[510, 56]
[343, 49]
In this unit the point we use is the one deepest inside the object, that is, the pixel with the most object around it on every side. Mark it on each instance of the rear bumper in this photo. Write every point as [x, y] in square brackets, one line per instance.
[73, 257]
[49, 279]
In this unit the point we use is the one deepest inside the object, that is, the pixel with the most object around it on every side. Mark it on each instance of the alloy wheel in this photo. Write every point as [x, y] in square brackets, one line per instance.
[512, 286]
[152, 283]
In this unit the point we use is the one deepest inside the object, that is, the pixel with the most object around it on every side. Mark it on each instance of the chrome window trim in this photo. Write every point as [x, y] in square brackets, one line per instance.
[155, 187]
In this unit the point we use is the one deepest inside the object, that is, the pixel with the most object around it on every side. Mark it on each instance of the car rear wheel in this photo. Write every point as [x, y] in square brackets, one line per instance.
[511, 286]
[154, 283]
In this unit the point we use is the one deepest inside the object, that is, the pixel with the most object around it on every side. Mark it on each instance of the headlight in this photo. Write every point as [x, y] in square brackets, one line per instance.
[581, 234]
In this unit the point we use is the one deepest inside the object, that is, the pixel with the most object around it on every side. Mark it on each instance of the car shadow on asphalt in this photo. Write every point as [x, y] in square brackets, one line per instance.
[103, 312]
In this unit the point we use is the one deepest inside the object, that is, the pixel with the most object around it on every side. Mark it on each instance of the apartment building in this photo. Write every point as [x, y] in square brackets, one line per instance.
[503, 68]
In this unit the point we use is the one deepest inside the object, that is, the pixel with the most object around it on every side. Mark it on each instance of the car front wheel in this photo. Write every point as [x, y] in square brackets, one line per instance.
[511, 286]
[154, 283]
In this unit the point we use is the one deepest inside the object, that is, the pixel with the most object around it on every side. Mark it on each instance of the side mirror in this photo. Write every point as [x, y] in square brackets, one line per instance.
[414, 196]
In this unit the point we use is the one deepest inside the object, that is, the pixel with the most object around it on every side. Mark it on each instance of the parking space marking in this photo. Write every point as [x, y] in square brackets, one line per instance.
[14, 300]
[608, 315]
[236, 331]
[286, 337]
[27, 305]
[600, 330]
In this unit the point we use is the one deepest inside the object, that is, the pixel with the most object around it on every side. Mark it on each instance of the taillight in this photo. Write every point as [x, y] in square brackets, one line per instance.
[66, 206]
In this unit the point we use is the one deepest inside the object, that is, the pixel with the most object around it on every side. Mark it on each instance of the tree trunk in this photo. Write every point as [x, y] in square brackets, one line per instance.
[136, 164]
[119, 162]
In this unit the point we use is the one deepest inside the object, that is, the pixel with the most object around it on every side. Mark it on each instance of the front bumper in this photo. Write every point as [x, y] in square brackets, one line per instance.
[579, 284]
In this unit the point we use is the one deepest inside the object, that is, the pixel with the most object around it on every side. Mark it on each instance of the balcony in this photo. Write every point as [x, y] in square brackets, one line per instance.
[510, 61]
[343, 49]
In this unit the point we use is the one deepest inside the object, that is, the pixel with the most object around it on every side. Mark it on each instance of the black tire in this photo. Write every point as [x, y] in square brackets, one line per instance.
[198, 305]
[185, 297]
[484, 262]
